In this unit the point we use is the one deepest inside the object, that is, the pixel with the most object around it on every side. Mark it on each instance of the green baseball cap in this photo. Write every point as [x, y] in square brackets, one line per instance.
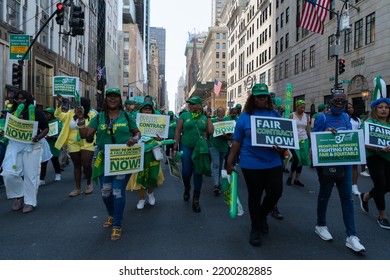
[116, 91]
[195, 100]
[260, 89]
[146, 104]
[171, 113]
[49, 110]
[321, 107]
[238, 106]
[129, 102]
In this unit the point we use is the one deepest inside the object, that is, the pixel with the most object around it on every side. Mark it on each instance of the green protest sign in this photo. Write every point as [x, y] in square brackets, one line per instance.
[344, 148]
[152, 125]
[223, 127]
[271, 131]
[174, 168]
[122, 159]
[66, 86]
[287, 109]
[20, 130]
[376, 135]
[53, 129]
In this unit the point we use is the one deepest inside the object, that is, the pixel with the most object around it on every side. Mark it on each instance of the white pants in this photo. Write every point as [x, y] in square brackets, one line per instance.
[28, 165]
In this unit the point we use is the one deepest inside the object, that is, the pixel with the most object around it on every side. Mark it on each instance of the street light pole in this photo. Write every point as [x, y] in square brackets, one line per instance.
[128, 88]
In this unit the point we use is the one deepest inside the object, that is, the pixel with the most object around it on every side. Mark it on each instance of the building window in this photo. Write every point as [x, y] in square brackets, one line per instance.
[281, 20]
[281, 71]
[262, 78]
[287, 40]
[239, 90]
[223, 46]
[296, 64]
[217, 55]
[348, 40]
[223, 64]
[216, 74]
[217, 45]
[276, 73]
[217, 36]
[224, 36]
[223, 74]
[303, 60]
[269, 76]
[370, 28]
[13, 8]
[217, 64]
[286, 69]
[358, 34]
[276, 48]
[277, 24]
[312, 56]
[281, 44]
[287, 14]
[331, 42]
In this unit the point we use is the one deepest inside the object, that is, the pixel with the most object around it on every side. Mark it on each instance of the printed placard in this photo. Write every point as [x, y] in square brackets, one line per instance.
[152, 125]
[66, 86]
[271, 131]
[122, 159]
[344, 148]
[174, 168]
[376, 135]
[223, 127]
[53, 129]
[19, 130]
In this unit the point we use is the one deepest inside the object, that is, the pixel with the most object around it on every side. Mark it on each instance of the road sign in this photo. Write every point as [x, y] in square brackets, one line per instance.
[19, 45]
[332, 90]
[331, 79]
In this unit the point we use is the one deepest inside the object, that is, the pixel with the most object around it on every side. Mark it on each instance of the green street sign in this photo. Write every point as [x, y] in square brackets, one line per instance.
[19, 45]
[331, 79]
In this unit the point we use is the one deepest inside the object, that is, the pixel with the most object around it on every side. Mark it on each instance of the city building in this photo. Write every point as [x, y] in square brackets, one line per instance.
[159, 34]
[265, 45]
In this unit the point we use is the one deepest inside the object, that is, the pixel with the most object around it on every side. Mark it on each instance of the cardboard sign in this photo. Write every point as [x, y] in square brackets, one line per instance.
[153, 125]
[344, 148]
[53, 129]
[376, 135]
[271, 131]
[20, 130]
[66, 86]
[223, 127]
[122, 159]
[174, 168]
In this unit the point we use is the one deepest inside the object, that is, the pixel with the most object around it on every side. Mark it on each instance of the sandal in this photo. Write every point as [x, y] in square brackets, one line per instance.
[116, 233]
[108, 222]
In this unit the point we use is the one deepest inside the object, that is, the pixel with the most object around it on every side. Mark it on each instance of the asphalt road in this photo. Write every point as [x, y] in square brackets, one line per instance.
[64, 228]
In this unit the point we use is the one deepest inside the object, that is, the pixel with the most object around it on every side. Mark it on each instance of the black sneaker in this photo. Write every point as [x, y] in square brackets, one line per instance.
[186, 195]
[254, 238]
[276, 214]
[264, 226]
[383, 223]
[289, 181]
[217, 190]
[298, 183]
[363, 204]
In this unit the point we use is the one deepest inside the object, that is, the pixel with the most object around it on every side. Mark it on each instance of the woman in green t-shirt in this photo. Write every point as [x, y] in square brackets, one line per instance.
[191, 126]
[112, 126]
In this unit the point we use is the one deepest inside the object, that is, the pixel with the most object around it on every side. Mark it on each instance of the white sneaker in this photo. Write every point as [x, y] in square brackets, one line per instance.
[355, 190]
[365, 173]
[151, 199]
[323, 232]
[57, 178]
[353, 243]
[141, 204]
[42, 182]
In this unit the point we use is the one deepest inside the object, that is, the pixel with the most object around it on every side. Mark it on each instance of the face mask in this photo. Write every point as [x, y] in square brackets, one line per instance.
[337, 111]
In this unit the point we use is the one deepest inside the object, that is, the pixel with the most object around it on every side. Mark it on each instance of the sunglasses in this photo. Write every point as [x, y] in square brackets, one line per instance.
[339, 101]
[20, 100]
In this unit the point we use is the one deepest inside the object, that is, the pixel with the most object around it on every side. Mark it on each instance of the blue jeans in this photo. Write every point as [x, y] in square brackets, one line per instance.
[344, 187]
[113, 190]
[216, 164]
[189, 170]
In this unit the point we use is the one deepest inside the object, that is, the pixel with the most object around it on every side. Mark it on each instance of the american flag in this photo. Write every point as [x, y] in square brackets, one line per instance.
[217, 87]
[314, 13]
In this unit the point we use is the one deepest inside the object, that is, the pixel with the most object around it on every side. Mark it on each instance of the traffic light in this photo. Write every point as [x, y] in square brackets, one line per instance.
[76, 21]
[17, 74]
[341, 66]
[60, 14]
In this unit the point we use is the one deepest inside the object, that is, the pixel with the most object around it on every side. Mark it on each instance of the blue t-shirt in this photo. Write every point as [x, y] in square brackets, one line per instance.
[255, 157]
[325, 120]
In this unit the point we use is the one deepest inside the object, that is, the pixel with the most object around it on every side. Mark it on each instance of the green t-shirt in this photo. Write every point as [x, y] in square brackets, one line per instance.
[192, 128]
[385, 155]
[121, 129]
[219, 142]
[172, 128]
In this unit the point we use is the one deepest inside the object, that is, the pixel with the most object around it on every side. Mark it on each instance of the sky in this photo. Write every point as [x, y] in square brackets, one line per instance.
[178, 17]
